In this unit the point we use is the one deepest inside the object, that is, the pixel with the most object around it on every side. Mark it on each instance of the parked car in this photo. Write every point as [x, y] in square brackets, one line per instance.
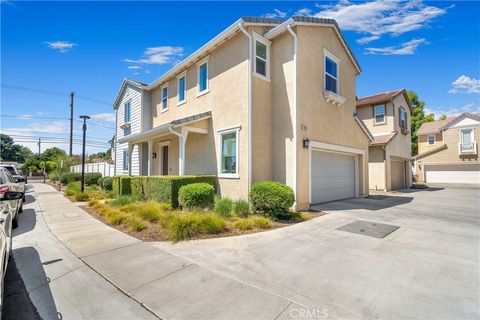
[6, 213]
[8, 184]
[25, 176]
[17, 175]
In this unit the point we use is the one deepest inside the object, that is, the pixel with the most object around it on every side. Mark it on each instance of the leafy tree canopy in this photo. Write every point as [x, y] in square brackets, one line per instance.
[418, 118]
[10, 151]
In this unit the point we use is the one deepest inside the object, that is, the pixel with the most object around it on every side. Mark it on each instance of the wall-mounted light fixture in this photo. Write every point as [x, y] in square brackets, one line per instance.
[306, 143]
[154, 155]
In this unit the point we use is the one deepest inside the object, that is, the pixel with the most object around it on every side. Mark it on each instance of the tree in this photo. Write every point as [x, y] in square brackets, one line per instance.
[53, 153]
[443, 117]
[418, 118]
[10, 151]
[103, 155]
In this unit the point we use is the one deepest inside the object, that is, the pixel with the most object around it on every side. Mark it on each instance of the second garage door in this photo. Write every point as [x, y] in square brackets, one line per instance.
[454, 173]
[333, 176]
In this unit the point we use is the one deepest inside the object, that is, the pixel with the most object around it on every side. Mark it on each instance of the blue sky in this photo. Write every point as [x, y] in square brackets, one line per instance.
[89, 47]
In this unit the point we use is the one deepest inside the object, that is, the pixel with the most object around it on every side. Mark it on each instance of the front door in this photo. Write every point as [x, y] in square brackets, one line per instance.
[165, 160]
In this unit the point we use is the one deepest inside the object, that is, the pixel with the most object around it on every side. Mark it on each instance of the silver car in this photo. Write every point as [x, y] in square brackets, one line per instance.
[17, 175]
[8, 184]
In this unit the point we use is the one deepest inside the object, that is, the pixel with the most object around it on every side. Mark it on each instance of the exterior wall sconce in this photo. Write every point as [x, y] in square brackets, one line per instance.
[306, 143]
[154, 155]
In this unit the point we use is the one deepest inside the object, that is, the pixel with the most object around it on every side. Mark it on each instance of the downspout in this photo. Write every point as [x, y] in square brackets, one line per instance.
[240, 26]
[295, 48]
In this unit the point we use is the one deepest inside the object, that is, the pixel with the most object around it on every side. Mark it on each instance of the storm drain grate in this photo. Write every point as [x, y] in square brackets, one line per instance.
[368, 228]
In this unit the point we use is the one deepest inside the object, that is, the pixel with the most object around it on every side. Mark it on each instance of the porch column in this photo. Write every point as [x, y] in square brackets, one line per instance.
[150, 151]
[130, 151]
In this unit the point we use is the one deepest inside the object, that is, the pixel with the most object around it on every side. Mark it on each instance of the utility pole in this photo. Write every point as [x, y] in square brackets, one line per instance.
[84, 128]
[72, 94]
[39, 144]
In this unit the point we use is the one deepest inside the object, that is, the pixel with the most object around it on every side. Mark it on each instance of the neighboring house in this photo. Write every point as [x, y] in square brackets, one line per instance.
[387, 116]
[448, 150]
[266, 99]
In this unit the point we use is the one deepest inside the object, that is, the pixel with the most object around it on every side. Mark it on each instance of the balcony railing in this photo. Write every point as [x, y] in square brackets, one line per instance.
[467, 148]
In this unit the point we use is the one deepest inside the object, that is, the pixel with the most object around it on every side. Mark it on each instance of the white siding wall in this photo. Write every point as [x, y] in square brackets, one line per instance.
[134, 95]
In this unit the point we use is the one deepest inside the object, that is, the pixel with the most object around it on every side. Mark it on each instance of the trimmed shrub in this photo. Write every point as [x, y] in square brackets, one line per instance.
[163, 189]
[271, 199]
[70, 177]
[82, 196]
[196, 196]
[107, 183]
[100, 182]
[241, 208]
[92, 177]
[223, 206]
[195, 224]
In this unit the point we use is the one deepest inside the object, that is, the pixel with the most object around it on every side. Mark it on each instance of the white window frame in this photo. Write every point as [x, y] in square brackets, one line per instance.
[375, 114]
[129, 103]
[126, 157]
[199, 64]
[220, 133]
[179, 77]
[162, 109]
[331, 56]
[401, 109]
[472, 134]
[434, 140]
[267, 43]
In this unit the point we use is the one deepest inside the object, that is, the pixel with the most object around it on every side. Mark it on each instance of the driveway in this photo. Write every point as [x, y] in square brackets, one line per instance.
[428, 268]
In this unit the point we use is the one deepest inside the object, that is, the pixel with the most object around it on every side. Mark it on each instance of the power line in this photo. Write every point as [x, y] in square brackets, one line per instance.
[26, 117]
[17, 132]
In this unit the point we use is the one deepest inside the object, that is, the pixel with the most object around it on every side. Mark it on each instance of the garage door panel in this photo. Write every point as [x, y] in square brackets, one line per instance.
[469, 174]
[333, 176]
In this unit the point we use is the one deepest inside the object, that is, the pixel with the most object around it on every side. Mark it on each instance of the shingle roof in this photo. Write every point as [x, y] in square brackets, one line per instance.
[383, 139]
[263, 20]
[429, 152]
[434, 127]
[378, 98]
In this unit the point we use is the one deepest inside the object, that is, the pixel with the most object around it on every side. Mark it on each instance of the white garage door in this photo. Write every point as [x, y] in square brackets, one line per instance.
[453, 174]
[333, 176]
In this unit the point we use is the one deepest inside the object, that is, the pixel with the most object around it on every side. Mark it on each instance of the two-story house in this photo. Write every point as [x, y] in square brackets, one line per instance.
[448, 150]
[266, 99]
[387, 116]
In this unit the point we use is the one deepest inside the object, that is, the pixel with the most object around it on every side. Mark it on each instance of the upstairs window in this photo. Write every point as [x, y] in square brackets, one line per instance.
[332, 66]
[431, 140]
[165, 98]
[202, 75]
[261, 58]
[127, 112]
[379, 114]
[403, 119]
[182, 90]
[466, 136]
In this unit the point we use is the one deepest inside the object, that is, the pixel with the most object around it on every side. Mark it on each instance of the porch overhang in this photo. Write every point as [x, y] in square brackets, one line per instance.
[164, 129]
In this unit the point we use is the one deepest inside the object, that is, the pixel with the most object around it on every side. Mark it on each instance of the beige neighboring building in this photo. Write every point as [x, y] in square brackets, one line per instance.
[387, 116]
[266, 99]
[448, 150]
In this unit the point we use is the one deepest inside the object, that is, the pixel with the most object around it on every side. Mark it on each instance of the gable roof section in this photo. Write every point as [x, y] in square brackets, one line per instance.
[383, 139]
[439, 125]
[364, 127]
[126, 82]
[383, 98]
[313, 21]
[429, 152]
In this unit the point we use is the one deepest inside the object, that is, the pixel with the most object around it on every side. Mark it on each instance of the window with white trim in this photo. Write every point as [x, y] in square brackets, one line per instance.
[202, 77]
[431, 139]
[182, 89]
[466, 136]
[331, 72]
[126, 161]
[165, 98]
[403, 119]
[127, 112]
[379, 114]
[262, 58]
[228, 153]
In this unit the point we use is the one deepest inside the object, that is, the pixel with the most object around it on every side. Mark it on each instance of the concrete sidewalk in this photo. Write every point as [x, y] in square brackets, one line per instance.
[167, 285]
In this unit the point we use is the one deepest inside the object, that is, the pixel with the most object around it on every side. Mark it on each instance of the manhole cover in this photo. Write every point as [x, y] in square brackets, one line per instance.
[368, 228]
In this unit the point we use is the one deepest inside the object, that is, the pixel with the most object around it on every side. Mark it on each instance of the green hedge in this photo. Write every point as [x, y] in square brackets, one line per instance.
[160, 188]
[92, 177]
[271, 199]
[196, 196]
[70, 177]
[107, 183]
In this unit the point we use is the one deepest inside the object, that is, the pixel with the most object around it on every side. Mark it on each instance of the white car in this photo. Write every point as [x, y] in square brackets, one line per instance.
[8, 184]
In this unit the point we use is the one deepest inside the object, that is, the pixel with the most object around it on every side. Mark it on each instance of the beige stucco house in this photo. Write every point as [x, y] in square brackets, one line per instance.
[266, 99]
[448, 150]
[387, 116]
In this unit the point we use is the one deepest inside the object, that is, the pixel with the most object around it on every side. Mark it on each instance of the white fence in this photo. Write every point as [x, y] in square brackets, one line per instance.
[106, 169]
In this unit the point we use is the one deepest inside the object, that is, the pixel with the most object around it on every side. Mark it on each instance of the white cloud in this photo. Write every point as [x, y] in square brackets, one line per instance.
[61, 46]
[304, 12]
[465, 84]
[380, 17]
[275, 14]
[454, 110]
[159, 55]
[134, 67]
[107, 116]
[406, 48]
